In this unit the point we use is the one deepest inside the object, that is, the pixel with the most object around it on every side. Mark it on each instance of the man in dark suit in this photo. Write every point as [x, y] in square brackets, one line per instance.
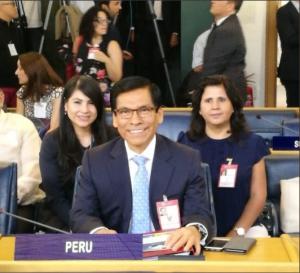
[225, 49]
[11, 46]
[288, 30]
[106, 196]
[148, 59]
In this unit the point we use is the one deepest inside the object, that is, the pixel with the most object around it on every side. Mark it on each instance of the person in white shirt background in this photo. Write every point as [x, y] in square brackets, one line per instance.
[20, 143]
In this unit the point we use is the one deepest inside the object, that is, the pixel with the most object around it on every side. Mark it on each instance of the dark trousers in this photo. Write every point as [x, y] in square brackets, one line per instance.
[148, 58]
[33, 38]
[292, 93]
[26, 212]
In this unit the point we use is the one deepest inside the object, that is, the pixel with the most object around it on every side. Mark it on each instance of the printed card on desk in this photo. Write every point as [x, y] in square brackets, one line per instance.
[154, 245]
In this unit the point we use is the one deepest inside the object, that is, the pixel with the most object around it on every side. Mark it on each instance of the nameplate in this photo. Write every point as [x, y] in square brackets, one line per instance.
[285, 143]
[78, 246]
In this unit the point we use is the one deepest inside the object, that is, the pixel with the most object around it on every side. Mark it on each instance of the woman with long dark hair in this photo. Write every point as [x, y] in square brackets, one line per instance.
[40, 93]
[82, 126]
[99, 55]
[235, 155]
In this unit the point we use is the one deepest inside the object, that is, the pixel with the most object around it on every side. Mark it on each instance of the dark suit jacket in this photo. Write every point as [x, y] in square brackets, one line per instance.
[170, 12]
[225, 52]
[288, 30]
[105, 198]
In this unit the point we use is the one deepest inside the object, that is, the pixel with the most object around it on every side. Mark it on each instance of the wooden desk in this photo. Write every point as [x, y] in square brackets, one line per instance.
[284, 152]
[268, 255]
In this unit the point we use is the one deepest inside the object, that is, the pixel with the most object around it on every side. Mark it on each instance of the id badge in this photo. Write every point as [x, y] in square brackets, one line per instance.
[40, 110]
[91, 54]
[227, 177]
[168, 214]
[12, 49]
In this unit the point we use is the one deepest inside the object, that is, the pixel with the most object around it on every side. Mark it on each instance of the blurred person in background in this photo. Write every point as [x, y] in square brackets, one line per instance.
[10, 47]
[20, 143]
[41, 88]
[99, 55]
[288, 70]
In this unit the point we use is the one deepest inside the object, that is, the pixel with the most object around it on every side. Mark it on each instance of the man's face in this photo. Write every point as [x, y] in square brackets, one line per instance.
[8, 10]
[221, 8]
[114, 8]
[139, 128]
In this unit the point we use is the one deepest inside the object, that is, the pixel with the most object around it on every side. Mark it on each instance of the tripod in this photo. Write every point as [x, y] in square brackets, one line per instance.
[21, 21]
[162, 53]
[46, 23]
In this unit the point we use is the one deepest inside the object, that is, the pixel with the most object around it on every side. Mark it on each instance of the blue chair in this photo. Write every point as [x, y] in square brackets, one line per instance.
[174, 123]
[267, 123]
[208, 182]
[291, 127]
[279, 167]
[8, 197]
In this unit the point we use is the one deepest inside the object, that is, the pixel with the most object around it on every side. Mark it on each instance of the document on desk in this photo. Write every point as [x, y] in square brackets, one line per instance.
[154, 245]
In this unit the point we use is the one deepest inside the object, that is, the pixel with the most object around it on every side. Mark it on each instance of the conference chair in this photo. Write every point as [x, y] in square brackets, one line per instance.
[8, 197]
[291, 127]
[269, 218]
[208, 182]
[279, 167]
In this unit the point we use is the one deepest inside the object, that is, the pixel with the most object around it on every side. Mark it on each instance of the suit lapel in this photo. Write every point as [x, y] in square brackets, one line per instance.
[212, 35]
[161, 174]
[120, 178]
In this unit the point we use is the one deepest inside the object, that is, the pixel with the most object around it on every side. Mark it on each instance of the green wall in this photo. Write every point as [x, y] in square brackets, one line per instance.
[195, 18]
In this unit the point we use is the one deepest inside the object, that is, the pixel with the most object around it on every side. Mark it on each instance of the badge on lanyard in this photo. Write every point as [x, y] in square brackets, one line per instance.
[12, 49]
[168, 214]
[40, 110]
[228, 173]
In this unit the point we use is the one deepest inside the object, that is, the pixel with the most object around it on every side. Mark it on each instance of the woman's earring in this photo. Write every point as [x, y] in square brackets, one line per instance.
[65, 113]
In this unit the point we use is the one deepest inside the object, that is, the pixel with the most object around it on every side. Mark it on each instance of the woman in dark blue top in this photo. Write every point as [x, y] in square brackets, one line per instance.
[235, 156]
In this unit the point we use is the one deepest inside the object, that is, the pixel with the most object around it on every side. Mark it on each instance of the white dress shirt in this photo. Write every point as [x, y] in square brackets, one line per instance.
[198, 50]
[158, 10]
[296, 4]
[20, 143]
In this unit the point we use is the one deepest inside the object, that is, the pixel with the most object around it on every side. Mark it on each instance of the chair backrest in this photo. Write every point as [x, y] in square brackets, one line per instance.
[263, 121]
[279, 167]
[8, 197]
[174, 122]
[291, 127]
[208, 182]
[268, 123]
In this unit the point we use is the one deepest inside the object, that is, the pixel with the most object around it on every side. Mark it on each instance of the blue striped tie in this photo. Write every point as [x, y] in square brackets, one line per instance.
[140, 198]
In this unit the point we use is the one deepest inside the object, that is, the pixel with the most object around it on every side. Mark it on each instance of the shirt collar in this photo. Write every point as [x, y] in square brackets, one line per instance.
[296, 4]
[147, 153]
[221, 20]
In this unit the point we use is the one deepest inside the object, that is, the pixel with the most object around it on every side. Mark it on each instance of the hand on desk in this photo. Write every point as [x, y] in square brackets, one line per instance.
[186, 237]
[106, 231]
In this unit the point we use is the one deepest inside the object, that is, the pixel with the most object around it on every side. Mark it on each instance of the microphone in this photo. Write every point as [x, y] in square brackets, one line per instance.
[33, 222]
[276, 124]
